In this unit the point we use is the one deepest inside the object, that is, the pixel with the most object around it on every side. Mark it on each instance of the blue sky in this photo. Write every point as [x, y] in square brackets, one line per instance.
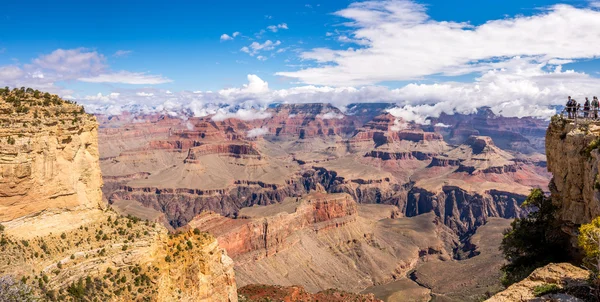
[179, 44]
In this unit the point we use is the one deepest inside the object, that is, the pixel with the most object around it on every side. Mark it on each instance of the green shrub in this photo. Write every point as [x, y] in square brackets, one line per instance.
[533, 241]
[545, 289]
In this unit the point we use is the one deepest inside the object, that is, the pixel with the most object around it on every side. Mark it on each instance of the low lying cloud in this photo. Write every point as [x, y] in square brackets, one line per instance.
[330, 115]
[241, 114]
[257, 132]
[525, 88]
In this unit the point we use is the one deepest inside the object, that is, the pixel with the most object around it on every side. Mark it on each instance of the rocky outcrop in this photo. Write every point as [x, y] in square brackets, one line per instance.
[57, 238]
[236, 150]
[384, 155]
[48, 161]
[563, 276]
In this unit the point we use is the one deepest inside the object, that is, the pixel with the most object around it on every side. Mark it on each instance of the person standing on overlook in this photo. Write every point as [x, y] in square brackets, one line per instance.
[569, 105]
[586, 108]
[595, 106]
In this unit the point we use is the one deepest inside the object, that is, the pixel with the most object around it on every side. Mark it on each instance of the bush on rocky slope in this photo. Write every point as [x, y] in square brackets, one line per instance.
[533, 241]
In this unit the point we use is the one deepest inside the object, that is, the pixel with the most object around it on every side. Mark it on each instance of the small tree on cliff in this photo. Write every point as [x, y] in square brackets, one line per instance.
[533, 241]
[589, 242]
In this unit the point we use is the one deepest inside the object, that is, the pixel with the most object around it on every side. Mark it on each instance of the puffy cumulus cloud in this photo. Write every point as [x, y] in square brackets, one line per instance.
[226, 37]
[392, 33]
[126, 77]
[255, 86]
[257, 132]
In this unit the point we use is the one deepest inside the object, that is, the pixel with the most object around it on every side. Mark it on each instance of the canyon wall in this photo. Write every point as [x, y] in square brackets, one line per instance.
[573, 159]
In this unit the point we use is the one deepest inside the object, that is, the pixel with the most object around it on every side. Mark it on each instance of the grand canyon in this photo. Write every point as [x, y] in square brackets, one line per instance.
[239, 151]
[359, 201]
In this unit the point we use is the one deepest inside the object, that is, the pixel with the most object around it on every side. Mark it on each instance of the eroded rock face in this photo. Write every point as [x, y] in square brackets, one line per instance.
[266, 235]
[574, 162]
[48, 161]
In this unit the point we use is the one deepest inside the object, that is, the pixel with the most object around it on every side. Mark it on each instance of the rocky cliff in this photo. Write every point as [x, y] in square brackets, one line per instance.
[49, 164]
[56, 238]
[573, 159]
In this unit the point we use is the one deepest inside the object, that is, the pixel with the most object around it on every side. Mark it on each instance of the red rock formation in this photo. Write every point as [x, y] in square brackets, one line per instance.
[268, 235]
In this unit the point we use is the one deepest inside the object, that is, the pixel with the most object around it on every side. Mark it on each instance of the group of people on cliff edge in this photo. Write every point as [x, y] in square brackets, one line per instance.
[590, 109]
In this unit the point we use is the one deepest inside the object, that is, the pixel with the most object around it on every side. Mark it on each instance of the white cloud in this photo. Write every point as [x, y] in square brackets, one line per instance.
[122, 53]
[276, 28]
[261, 58]
[10, 73]
[401, 42]
[63, 65]
[525, 88]
[255, 86]
[146, 94]
[126, 77]
[257, 132]
[71, 61]
[330, 115]
[226, 37]
[256, 47]
[241, 114]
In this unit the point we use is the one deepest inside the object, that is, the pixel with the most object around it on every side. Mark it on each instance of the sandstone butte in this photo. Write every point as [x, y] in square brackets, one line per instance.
[59, 239]
[574, 160]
